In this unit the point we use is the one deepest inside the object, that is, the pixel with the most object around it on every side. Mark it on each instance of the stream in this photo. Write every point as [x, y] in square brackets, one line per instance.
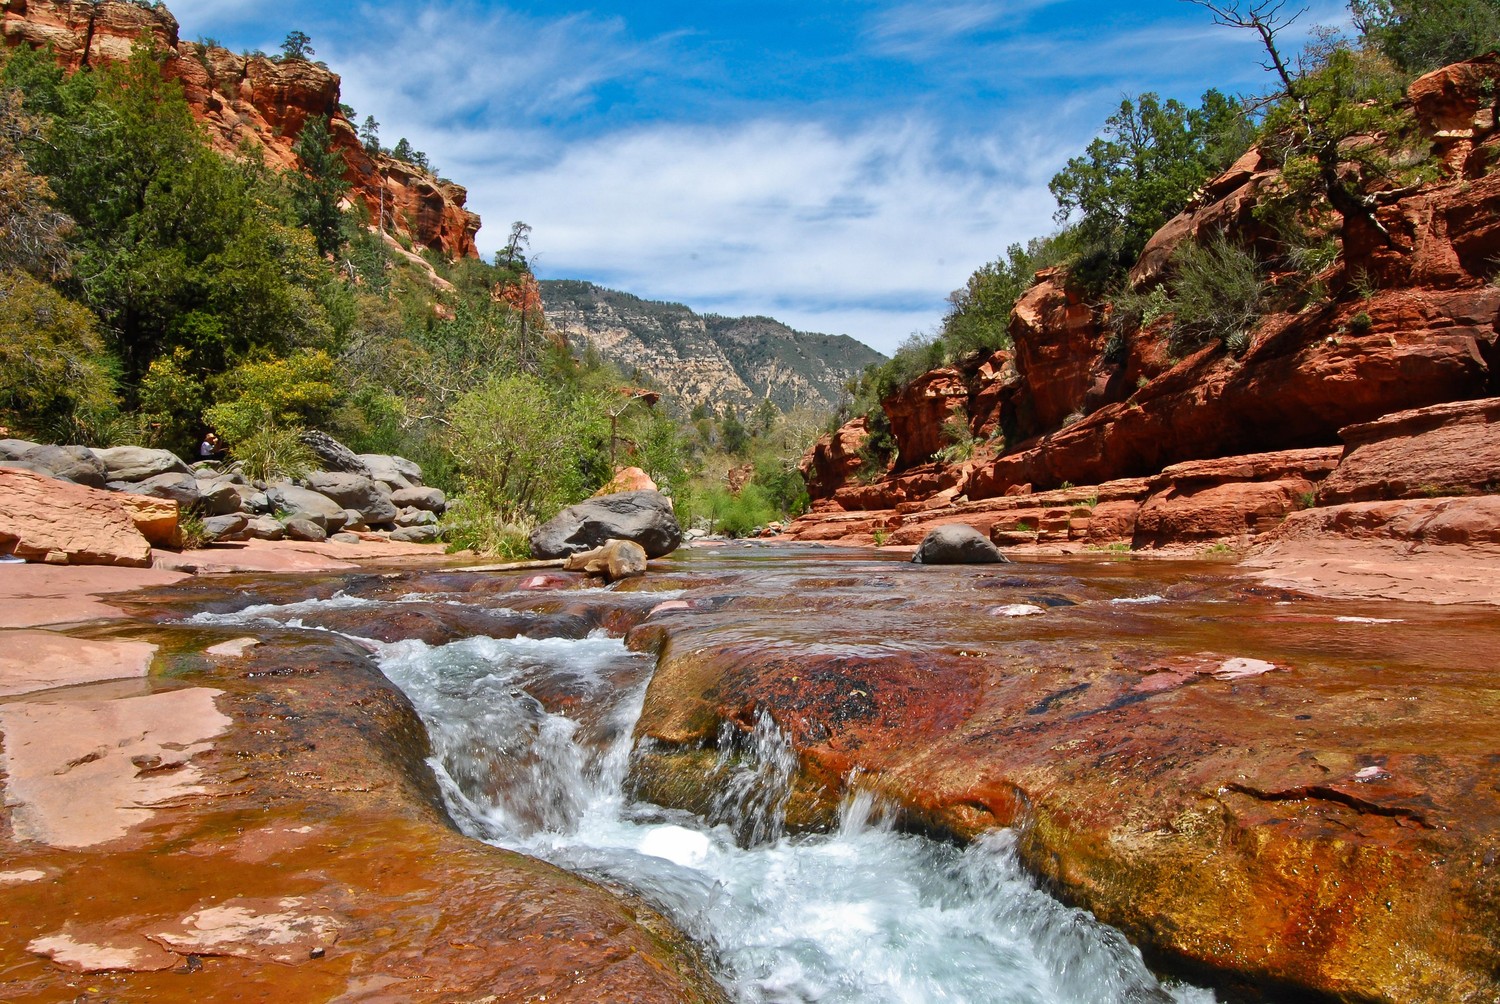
[861, 914]
[533, 736]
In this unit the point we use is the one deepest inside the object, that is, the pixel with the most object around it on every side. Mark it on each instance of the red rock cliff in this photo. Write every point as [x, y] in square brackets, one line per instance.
[1410, 326]
[252, 99]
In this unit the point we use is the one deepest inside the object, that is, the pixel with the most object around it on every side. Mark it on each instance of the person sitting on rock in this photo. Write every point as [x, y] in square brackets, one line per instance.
[209, 449]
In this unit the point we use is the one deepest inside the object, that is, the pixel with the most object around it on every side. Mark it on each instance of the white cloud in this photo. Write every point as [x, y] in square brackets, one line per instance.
[859, 233]
[919, 30]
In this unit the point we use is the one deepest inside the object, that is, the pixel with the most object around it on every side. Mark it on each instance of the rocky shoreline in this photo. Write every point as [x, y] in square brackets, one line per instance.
[283, 768]
[258, 811]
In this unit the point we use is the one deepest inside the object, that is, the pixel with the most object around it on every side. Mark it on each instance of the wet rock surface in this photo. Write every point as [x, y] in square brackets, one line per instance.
[278, 836]
[1287, 796]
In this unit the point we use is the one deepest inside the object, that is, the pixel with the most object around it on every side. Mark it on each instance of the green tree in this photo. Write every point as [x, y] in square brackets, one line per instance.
[524, 452]
[294, 391]
[175, 245]
[1151, 158]
[1335, 122]
[369, 135]
[297, 45]
[322, 184]
[1421, 35]
[978, 318]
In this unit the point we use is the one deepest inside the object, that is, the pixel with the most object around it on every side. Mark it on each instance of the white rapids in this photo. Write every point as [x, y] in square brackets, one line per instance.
[862, 915]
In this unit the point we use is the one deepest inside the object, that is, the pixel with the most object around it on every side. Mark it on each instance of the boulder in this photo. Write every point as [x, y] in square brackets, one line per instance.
[77, 464]
[370, 498]
[956, 544]
[252, 499]
[319, 508]
[393, 472]
[137, 463]
[417, 535]
[227, 527]
[644, 517]
[616, 560]
[264, 528]
[354, 520]
[219, 498]
[1447, 449]
[180, 488]
[343, 537]
[416, 517]
[304, 529]
[44, 519]
[15, 449]
[156, 518]
[335, 456]
[431, 499]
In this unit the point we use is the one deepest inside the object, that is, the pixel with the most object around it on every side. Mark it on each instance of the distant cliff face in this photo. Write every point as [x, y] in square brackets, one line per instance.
[707, 359]
[254, 99]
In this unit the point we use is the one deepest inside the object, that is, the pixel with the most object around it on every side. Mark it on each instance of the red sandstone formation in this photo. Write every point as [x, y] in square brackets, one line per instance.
[1078, 405]
[251, 99]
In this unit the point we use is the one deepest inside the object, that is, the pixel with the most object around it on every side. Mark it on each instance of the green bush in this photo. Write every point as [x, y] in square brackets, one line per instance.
[55, 377]
[272, 453]
[296, 390]
[1217, 294]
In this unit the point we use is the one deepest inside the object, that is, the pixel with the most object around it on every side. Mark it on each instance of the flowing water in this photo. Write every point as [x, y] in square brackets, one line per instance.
[863, 914]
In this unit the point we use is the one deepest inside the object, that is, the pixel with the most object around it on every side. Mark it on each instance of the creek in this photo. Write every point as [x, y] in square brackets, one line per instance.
[533, 736]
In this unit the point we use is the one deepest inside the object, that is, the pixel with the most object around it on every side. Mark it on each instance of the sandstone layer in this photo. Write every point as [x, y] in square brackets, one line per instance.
[263, 824]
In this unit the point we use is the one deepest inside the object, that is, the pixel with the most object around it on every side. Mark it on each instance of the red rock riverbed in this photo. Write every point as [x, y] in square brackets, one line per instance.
[1283, 795]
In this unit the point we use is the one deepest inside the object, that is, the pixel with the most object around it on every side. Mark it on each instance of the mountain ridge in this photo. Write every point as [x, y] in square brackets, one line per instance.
[711, 360]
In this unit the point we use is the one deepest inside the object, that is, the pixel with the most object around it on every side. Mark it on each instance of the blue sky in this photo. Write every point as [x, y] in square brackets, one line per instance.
[840, 165]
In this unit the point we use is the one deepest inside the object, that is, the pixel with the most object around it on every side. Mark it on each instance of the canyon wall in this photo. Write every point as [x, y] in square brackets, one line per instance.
[251, 100]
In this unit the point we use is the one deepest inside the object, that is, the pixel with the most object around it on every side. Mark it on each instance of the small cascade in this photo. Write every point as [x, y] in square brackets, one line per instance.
[754, 774]
[864, 915]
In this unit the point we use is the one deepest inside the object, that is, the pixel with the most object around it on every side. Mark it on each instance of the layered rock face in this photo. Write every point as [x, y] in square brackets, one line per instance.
[252, 99]
[1407, 327]
[720, 362]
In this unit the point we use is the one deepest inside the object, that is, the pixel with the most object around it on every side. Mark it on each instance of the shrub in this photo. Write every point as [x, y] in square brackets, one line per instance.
[273, 453]
[297, 390]
[55, 377]
[1217, 293]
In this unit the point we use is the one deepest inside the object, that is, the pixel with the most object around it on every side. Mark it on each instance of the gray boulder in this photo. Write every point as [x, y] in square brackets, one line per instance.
[15, 449]
[334, 455]
[218, 498]
[226, 527]
[264, 528]
[298, 528]
[252, 500]
[321, 509]
[416, 535]
[345, 538]
[957, 544]
[77, 464]
[136, 463]
[180, 488]
[371, 499]
[644, 517]
[354, 520]
[416, 517]
[394, 472]
[430, 499]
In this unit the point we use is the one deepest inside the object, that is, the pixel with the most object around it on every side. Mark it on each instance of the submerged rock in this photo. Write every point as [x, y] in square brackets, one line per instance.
[643, 517]
[957, 544]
